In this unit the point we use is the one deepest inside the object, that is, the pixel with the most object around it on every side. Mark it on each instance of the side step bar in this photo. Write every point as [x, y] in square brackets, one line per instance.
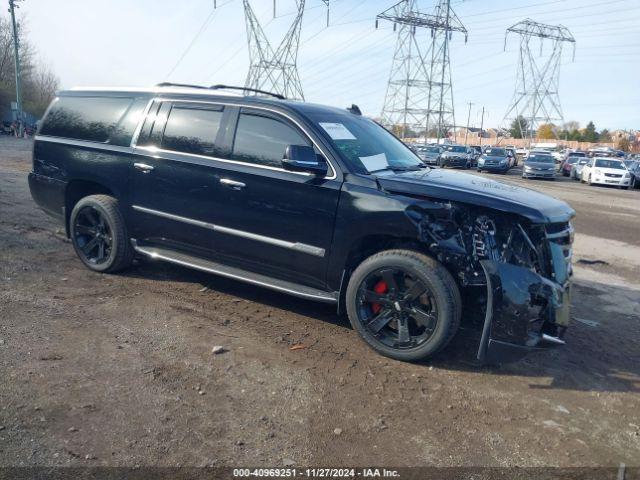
[172, 256]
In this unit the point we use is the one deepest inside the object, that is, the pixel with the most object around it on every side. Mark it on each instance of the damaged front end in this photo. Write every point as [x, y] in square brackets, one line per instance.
[521, 268]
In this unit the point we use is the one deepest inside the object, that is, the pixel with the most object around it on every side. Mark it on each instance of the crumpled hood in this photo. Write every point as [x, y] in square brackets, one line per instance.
[475, 190]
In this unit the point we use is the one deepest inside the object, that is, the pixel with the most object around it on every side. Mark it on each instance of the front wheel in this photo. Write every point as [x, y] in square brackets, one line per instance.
[404, 304]
[99, 234]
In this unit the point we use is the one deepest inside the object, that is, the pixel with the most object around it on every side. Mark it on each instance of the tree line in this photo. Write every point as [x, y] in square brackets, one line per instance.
[568, 131]
[39, 83]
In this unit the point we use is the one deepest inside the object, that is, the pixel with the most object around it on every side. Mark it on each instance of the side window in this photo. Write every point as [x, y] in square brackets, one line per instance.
[85, 118]
[192, 130]
[263, 140]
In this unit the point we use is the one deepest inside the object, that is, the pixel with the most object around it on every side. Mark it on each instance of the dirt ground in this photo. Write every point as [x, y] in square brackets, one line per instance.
[118, 370]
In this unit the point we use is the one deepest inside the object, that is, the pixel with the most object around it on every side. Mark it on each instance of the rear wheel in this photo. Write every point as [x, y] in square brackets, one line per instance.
[405, 305]
[99, 234]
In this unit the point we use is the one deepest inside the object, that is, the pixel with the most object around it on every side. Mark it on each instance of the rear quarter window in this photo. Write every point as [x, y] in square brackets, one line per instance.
[92, 119]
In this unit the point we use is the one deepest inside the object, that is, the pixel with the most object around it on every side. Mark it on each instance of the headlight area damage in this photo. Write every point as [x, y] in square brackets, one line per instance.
[524, 267]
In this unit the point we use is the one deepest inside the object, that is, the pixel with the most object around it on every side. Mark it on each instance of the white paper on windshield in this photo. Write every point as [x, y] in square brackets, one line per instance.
[337, 131]
[375, 162]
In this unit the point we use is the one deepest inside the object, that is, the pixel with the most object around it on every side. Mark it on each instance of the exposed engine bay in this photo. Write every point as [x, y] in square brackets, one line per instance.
[525, 268]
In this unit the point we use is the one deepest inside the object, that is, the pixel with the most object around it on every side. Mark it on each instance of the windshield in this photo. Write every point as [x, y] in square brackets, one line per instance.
[456, 148]
[432, 149]
[541, 158]
[572, 160]
[583, 162]
[578, 154]
[495, 152]
[617, 164]
[364, 145]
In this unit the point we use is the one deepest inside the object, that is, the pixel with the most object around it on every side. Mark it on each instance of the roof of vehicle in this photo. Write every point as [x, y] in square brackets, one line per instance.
[204, 93]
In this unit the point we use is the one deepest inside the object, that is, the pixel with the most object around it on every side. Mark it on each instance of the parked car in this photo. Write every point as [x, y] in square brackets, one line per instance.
[306, 200]
[539, 166]
[568, 164]
[494, 159]
[458, 156]
[634, 171]
[477, 152]
[576, 168]
[606, 171]
[430, 154]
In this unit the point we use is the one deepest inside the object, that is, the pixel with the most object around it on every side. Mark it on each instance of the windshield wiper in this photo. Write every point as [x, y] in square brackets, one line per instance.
[414, 168]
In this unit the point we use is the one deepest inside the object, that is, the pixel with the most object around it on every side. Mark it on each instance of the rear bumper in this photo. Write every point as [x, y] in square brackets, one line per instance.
[48, 193]
[525, 312]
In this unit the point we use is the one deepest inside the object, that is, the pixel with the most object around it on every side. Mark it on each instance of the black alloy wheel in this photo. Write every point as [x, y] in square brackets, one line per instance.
[93, 235]
[404, 304]
[397, 308]
[99, 234]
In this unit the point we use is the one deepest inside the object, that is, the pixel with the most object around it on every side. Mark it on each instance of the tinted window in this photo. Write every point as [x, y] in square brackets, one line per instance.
[123, 132]
[263, 140]
[192, 130]
[85, 118]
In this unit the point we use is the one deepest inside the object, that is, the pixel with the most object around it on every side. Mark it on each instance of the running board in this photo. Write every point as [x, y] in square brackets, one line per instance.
[172, 256]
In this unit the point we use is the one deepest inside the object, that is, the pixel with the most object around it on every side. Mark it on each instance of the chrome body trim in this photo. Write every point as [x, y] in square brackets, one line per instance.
[83, 143]
[143, 167]
[152, 253]
[297, 246]
[232, 183]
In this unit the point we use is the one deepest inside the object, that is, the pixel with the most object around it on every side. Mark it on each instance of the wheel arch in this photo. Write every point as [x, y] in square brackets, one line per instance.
[369, 245]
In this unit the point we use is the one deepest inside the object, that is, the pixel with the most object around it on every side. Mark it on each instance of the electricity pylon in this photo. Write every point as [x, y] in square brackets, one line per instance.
[536, 98]
[274, 71]
[420, 91]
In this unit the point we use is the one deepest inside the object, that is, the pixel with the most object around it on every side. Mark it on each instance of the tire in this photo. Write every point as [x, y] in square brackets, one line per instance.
[441, 293]
[97, 219]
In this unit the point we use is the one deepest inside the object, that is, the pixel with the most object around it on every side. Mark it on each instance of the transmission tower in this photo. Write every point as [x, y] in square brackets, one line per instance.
[536, 98]
[274, 71]
[420, 92]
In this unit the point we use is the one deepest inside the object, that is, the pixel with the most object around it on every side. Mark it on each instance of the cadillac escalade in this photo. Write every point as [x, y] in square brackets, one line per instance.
[308, 200]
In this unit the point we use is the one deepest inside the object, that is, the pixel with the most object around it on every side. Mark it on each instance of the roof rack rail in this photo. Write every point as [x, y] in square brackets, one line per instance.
[247, 89]
[220, 87]
[184, 85]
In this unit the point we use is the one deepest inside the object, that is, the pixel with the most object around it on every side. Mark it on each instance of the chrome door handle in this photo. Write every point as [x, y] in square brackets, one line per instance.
[232, 184]
[143, 167]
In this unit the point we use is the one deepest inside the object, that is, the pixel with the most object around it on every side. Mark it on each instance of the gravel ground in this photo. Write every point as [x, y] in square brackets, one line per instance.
[118, 370]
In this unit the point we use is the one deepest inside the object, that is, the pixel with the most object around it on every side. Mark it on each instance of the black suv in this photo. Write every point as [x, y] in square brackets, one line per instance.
[312, 201]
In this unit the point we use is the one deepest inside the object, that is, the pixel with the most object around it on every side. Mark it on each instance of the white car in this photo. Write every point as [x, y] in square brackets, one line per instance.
[606, 171]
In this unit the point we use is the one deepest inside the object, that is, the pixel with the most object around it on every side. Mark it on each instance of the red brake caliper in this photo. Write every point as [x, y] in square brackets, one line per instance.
[380, 287]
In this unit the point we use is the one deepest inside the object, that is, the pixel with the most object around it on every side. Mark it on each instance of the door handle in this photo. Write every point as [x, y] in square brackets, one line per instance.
[232, 184]
[143, 167]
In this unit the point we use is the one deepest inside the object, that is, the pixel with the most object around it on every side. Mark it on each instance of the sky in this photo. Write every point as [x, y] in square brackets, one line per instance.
[143, 42]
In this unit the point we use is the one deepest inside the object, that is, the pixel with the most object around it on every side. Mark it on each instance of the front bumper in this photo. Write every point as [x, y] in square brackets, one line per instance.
[455, 162]
[616, 182]
[494, 168]
[525, 312]
[538, 173]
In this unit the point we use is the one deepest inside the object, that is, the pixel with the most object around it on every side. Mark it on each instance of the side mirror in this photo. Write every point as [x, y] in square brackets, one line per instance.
[303, 158]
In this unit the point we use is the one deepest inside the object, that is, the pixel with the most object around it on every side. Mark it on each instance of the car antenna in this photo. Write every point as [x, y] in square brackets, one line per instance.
[247, 89]
[354, 109]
